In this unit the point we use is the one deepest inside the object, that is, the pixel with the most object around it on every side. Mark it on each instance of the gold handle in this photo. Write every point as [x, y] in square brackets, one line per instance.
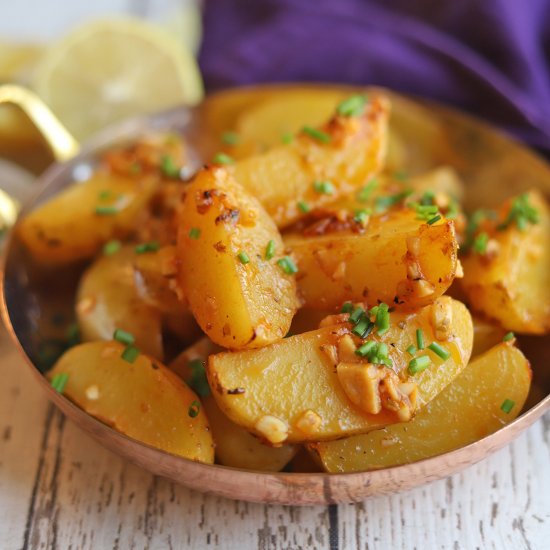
[60, 141]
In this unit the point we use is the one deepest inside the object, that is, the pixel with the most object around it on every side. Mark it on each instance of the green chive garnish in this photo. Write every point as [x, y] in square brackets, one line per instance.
[425, 211]
[361, 217]
[287, 139]
[198, 380]
[168, 167]
[347, 307]
[104, 195]
[440, 350]
[427, 198]
[194, 409]
[352, 106]
[303, 207]
[418, 364]
[287, 265]
[243, 257]
[126, 338]
[419, 338]
[521, 212]
[412, 349]
[230, 138]
[323, 187]
[106, 210]
[507, 406]
[434, 220]
[509, 336]
[381, 204]
[479, 246]
[364, 194]
[59, 381]
[130, 354]
[363, 328]
[365, 349]
[194, 233]
[316, 134]
[356, 314]
[151, 246]
[270, 250]
[111, 247]
[382, 319]
[222, 158]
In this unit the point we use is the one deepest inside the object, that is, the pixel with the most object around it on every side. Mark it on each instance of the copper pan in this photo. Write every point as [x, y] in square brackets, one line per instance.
[493, 167]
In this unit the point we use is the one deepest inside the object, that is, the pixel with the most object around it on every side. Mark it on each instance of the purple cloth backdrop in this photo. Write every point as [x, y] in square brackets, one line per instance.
[490, 57]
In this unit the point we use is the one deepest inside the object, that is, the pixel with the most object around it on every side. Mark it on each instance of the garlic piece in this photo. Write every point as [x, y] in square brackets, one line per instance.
[272, 428]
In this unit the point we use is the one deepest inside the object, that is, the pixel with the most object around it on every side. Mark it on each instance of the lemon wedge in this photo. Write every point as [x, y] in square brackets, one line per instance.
[109, 70]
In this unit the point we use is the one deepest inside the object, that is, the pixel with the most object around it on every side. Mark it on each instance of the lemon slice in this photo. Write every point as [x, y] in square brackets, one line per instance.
[108, 70]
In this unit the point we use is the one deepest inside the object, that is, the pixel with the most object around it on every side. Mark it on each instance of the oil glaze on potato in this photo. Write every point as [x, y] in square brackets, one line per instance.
[143, 400]
[465, 411]
[398, 259]
[79, 220]
[277, 387]
[238, 303]
[511, 283]
[284, 176]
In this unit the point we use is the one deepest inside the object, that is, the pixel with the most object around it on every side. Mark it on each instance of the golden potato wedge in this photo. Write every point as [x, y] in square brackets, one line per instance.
[107, 299]
[141, 399]
[466, 410]
[292, 391]
[397, 259]
[78, 221]
[239, 298]
[235, 447]
[315, 170]
[510, 280]
[486, 335]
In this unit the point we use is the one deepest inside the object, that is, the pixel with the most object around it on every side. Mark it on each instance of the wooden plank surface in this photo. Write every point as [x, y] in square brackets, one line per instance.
[60, 490]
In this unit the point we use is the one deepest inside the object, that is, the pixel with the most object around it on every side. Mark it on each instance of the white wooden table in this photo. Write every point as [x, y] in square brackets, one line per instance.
[60, 490]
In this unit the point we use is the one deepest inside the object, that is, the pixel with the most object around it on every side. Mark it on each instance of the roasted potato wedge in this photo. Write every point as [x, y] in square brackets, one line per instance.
[234, 445]
[292, 391]
[78, 221]
[397, 259]
[141, 399]
[239, 298]
[486, 335]
[510, 280]
[467, 410]
[108, 298]
[319, 165]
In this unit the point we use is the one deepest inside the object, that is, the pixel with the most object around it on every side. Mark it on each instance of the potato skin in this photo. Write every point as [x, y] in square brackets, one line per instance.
[465, 411]
[512, 286]
[143, 400]
[297, 374]
[67, 228]
[382, 264]
[238, 305]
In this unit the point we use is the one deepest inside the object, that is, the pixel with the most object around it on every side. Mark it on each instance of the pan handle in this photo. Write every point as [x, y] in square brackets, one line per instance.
[62, 144]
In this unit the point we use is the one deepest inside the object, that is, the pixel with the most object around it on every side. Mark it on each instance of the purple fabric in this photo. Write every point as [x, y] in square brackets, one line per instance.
[490, 57]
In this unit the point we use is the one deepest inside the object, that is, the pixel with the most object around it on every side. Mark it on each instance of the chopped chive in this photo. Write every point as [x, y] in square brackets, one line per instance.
[479, 246]
[365, 349]
[356, 314]
[425, 212]
[427, 198]
[412, 349]
[316, 134]
[521, 212]
[373, 311]
[123, 337]
[381, 204]
[347, 307]
[130, 353]
[363, 328]
[222, 158]
[194, 409]
[287, 139]
[168, 167]
[243, 257]
[507, 406]
[418, 364]
[440, 350]
[419, 338]
[434, 220]
[364, 194]
[59, 381]
[323, 187]
[106, 210]
[111, 247]
[287, 265]
[198, 380]
[508, 336]
[230, 138]
[382, 320]
[194, 233]
[303, 207]
[151, 246]
[352, 106]
[104, 195]
[361, 217]
[270, 250]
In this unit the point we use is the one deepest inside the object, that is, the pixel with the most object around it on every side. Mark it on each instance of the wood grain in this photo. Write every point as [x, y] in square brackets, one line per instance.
[59, 489]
